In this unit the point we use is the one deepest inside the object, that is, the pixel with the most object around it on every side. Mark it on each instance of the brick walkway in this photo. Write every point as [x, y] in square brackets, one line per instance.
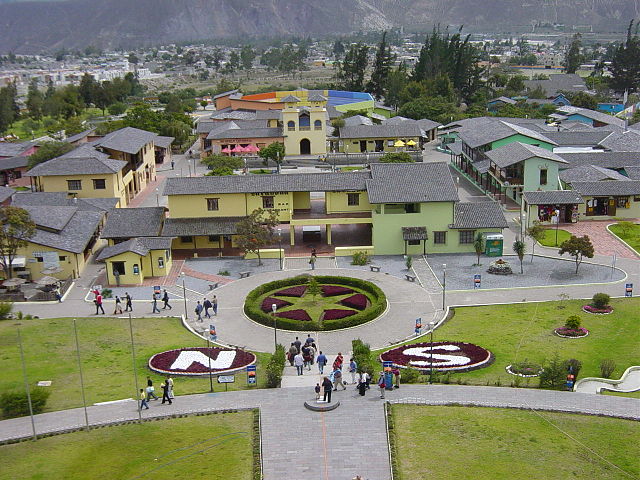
[604, 242]
[205, 276]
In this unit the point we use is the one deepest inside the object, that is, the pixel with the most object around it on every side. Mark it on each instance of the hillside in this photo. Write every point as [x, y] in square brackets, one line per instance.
[30, 27]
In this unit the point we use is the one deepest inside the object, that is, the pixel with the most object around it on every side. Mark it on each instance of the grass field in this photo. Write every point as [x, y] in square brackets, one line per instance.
[632, 237]
[22, 129]
[209, 446]
[105, 349]
[491, 443]
[525, 331]
[549, 239]
[622, 394]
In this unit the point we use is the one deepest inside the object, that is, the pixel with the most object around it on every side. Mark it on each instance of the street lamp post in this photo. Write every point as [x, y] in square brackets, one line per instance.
[189, 165]
[157, 197]
[557, 212]
[274, 307]
[444, 283]
[210, 372]
[184, 296]
[280, 246]
[431, 327]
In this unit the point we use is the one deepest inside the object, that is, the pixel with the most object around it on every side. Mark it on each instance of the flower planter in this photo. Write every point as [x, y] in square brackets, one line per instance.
[357, 301]
[195, 361]
[447, 356]
[571, 332]
[523, 375]
[336, 313]
[297, 291]
[597, 311]
[269, 301]
[335, 290]
[299, 314]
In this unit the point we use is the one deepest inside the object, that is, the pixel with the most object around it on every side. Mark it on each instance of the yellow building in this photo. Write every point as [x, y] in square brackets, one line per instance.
[378, 138]
[305, 126]
[137, 259]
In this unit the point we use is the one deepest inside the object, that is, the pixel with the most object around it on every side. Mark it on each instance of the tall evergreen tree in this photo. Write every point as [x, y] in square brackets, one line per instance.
[88, 88]
[35, 100]
[351, 70]
[8, 108]
[377, 85]
[573, 58]
[625, 65]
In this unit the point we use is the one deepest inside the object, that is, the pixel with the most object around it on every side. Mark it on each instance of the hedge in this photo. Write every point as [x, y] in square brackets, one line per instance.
[274, 367]
[252, 308]
[15, 404]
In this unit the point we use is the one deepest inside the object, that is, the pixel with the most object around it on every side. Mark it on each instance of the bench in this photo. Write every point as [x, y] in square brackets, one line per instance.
[411, 278]
[374, 268]
[213, 286]
[244, 274]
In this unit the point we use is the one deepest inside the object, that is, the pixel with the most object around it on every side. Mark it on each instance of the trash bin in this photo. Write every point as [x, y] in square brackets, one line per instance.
[493, 245]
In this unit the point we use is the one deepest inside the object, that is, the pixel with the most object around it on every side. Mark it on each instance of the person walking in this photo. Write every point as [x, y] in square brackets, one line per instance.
[151, 389]
[293, 351]
[317, 390]
[165, 299]
[58, 295]
[312, 355]
[353, 370]
[127, 307]
[362, 384]
[143, 400]
[214, 305]
[298, 361]
[199, 311]
[154, 302]
[306, 357]
[321, 360]
[366, 378]
[98, 302]
[170, 382]
[206, 304]
[381, 384]
[118, 309]
[297, 343]
[337, 380]
[339, 360]
[165, 392]
[326, 385]
[312, 262]
[309, 340]
[396, 376]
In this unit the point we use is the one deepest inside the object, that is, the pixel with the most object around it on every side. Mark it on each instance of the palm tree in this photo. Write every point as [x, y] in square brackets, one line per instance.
[478, 245]
[519, 248]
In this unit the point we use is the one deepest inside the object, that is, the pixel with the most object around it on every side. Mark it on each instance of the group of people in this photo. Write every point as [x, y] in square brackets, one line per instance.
[146, 394]
[205, 306]
[97, 301]
[301, 356]
[165, 300]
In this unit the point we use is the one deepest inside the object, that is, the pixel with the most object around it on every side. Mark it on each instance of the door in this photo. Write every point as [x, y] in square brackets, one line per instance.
[305, 146]
[379, 145]
[612, 207]
[363, 146]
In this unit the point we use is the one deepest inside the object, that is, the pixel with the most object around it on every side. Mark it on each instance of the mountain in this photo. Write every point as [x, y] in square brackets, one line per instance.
[46, 26]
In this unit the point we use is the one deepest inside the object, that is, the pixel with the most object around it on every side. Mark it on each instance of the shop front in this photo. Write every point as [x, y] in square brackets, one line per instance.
[550, 207]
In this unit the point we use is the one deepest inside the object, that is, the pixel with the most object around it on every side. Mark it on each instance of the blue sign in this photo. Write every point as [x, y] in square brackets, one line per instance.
[387, 364]
[628, 290]
[251, 375]
[418, 326]
[213, 336]
[476, 281]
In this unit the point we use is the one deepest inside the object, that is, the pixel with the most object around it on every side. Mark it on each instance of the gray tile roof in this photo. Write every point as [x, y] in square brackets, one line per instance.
[5, 193]
[561, 82]
[163, 142]
[553, 197]
[295, 182]
[612, 187]
[268, 114]
[206, 126]
[589, 138]
[180, 227]
[400, 130]
[237, 132]
[633, 172]
[134, 222]
[615, 160]
[226, 94]
[80, 136]
[9, 149]
[128, 140]
[426, 124]
[333, 112]
[317, 97]
[478, 215]
[515, 152]
[84, 160]
[229, 114]
[622, 141]
[61, 199]
[290, 99]
[411, 183]
[357, 120]
[589, 173]
[592, 114]
[50, 217]
[10, 163]
[76, 234]
[503, 99]
[482, 166]
[483, 130]
[140, 246]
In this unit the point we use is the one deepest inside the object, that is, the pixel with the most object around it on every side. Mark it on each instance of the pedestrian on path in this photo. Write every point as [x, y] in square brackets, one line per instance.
[353, 370]
[306, 355]
[199, 311]
[293, 351]
[165, 392]
[58, 295]
[312, 355]
[214, 305]
[298, 361]
[337, 363]
[154, 302]
[165, 299]
[321, 360]
[309, 340]
[118, 309]
[297, 343]
[366, 378]
[396, 376]
[381, 384]
[206, 304]
[143, 400]
[128, 307]
[151, 390]
[326, 385]
[362, 384]
[312, 262]
[98, 302]
[337, 380]
[317, 390]
[170, 382]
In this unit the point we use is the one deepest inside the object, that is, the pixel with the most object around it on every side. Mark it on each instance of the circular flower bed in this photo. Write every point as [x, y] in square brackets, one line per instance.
[500, 267]
[524, 369]
[597, 311]
[446, 356]
[195, 361]
[339, 302]
[567, 332]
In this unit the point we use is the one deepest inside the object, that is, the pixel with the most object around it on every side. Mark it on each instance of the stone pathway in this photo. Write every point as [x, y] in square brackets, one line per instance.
[302, 263]
[426, 276]
[629, 382]
[604, 242]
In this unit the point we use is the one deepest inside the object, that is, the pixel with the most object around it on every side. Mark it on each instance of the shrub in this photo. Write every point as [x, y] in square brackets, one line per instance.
[410, 375]
[107, 292]
[600, 300]
[362, 356]
[336, 313]
[335, 290]
[525, 368]
[408, 262]
[554, 373]
[224, 273]
[279, 303]
[396, 157]
[573, 322]
[607, 366]
[357, 301]
[360, 258]
[5, 310]
[292, 292]
[298, 314]
[15, 404]
[274, 368]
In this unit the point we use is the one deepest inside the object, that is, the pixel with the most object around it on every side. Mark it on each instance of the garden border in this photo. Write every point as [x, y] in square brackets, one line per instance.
[203, 374]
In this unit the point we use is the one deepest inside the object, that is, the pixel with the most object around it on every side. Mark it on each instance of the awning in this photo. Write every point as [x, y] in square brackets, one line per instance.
[19, 262]
[399, 143]
[414, 233]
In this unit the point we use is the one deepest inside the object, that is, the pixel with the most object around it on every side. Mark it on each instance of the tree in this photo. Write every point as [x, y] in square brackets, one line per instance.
[247, 56]
[117, 108]
[625, 64]
[573, 57]
[338, 49]
[352, 69]
[396, 82]
[88, 88]
[436, 108]
[8, 107]
[203, 104]
[478, 246]
[584, 100]
[132, 58]
[537, 232]
[519, 248]
[337, 124]
[35, 100]
[256, 231]
[377, 85]
[554, 373]
[313, 288]
[16, 228]
[222, 164]
[274, 152]
[49, 150]
[577, 247]
[396, 157]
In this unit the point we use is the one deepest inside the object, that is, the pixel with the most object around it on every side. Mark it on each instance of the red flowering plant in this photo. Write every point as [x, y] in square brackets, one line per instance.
[335, 290]
[297, 291]
[357, 301]
[295, 315]
[336, 313]
[278, 302]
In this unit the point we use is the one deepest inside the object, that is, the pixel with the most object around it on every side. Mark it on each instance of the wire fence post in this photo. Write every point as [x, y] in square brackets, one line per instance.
[26, 385]
[136, 397]
[84, 400]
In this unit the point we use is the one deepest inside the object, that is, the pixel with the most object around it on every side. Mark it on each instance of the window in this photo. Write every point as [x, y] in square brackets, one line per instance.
[214, 238]
[412, 208]
[621, 202]
[40, 259]
[62, 258]
[187, 239]
[439, 238]
[466, 236]
[99, 184]
[317, 125]
[160, 262]
[212, 204]
[74, 184]
[390, 143]
[353, 199]
[291, 125]
[543, 176]
[414, 242]
[268, 201]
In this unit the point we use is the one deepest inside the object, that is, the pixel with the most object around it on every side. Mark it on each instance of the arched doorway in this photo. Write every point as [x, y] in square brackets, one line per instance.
[305, 147]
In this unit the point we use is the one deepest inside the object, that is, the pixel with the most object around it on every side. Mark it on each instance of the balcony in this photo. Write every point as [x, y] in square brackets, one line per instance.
[304, 129]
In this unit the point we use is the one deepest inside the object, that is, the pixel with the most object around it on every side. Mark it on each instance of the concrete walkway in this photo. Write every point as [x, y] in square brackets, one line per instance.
[349, 441]
[629, 382]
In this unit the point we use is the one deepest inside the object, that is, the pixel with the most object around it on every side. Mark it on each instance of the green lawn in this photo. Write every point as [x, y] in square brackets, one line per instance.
[209, 446]
[549, 239]
[22, 129]
[105, 348]
[490, 443]
[525, 331]
[632, 236]
[622, 394]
